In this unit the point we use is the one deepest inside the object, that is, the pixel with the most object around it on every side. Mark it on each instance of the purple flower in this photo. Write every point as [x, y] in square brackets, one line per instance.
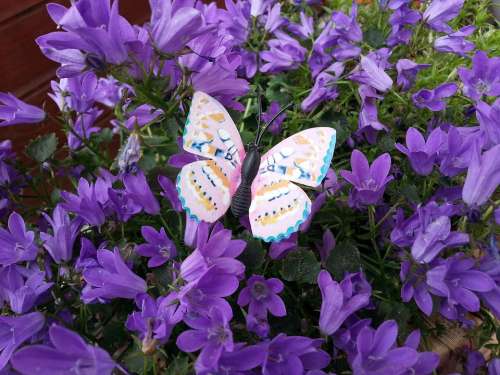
[14, 331]
[141, 116]
[278, 250]
[439, 12]
[83, 127]
[368, 122]
[327, 245]
[130, 154]
[456, 280]
[371, 73]
[155, 320]
[274, 20]
[285, 53]
[483, 176]
[272, 111]
[159, 248]
[347, 27]
[415, 287]
[483, 78]
[339, 301]
[16, 243]
[456, 42]
[15, 111]
[368, 182]
[22, 287]
[407, 72]
[137, 188]
[258, 7]
[170, 193]
[111, 279]
[433, 99]
[402, 17]
[211, 334]
[88, 202]
[475, 360]
[491, 266]
[434, 237]
[422, 154]
[68, 353]
[427, 362]
[494, 367]
[324, 88]
[60, 243]
[377, 353]
[456, 156]
[293, 355]
[305, 29]
[488, 117]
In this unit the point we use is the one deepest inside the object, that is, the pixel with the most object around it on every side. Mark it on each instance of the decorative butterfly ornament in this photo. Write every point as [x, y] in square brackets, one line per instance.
[242, 180]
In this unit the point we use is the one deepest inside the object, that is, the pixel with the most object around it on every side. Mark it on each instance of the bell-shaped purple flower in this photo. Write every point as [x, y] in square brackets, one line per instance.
[324, 87]
[407, 72]
[285, 53]
[339, 301]
[371, 73]
[170, 193]
[483, 176]
[433, 99]
[456, 42]
[457, 151]
[327, 245]
[421, 153]
[15, 111]
[483, 78]
[68, 353]
[83, 128]
[439, 12]
[159, 248]
[368, 182]
[415, 286]
[488, 117]
[88, 202]
[137, 188]
[111, 279]
[491, 266]
[368, 122]
[305, 29]
[16, 244]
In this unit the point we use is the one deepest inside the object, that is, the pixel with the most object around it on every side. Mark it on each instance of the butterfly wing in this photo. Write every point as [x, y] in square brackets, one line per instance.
[303, 158]
[205, 188]
[278, 208]
[210, 132]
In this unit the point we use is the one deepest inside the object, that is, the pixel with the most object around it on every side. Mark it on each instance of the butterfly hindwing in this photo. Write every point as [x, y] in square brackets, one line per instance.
[210, 132]
[278, 208]
[303, 158]
[205, 188]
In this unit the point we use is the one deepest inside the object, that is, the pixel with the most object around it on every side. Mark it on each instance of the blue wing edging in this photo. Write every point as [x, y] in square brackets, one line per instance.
[327, 159]
[183, 201]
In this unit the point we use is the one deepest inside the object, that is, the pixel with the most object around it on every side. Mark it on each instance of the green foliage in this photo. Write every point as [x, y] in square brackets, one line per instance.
[42, 148]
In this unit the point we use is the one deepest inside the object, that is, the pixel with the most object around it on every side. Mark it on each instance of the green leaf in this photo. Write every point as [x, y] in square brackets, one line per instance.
[301, 266]
[339, 122]
[42, 148]
[179, 366]
[253, 257]
[410, 192]
[134, 361]
[374, 37]
[344, 258]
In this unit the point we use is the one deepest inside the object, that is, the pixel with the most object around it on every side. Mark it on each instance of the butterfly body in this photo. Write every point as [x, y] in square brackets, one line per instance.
[262, 186]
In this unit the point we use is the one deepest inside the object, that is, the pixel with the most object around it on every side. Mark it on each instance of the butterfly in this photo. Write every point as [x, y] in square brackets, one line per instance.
[231, 176]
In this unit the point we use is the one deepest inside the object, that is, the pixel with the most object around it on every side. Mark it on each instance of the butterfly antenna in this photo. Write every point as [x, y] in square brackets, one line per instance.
[264, 128]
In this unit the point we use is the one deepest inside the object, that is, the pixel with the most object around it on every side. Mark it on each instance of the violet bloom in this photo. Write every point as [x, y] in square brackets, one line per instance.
[457, 280]
[64, 232]
[274, 20]
[142, 115]
[327, 245]
[459, 148]
[491, 266]
[15, 111]
[159, 248]
[482, 78]
[427, 362]
[285, 53]
[155, 319]
[402, 17]
[434, 237]
[211, 334]
[69, 353]
[272, 111]
[433, 99]
[14, 331]
[421, 153]
[22, 287]
[371, 73]
[483, 176]
[305, 29]
[16, 243]
[415, 286]
[407, 72]
[258, 7]
[339, 301]
[378, 354]
[368, 182]
[111, 279]
[494, 366]
[278, 250]
[83, 128]
[456, 42]
[324, 88]
[368, 122]
[137, 188]
[439, 12]
[170, 193]
[488, 117]
[86, 202]
[293, 355]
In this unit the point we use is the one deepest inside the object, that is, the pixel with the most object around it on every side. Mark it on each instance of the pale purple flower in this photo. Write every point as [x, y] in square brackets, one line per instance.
[258, 7]
[347, 27]
[137, 188]
[285, 53]
[14, 331]
[339, 301]
[278, 250]
[15, 111]
[130, 154]
[16, 244]
[488, 117]
[456, 42]
[211, 335]
[413, 277]
[483, 176]
[274, 20]
[141, 115]
[433, 99]
[402, 17]
[83, 127]
[483, 78]
[371, 73]
[88, 202]
[421, 153]
[456, 156]
[439, 12]
[494, 366]
[324, 87]
[368, 122]
[111, 279]
[326, 246]
[407, 72]
[170, 193]
[368, 182]
[305, 29]
[159, 248]
[69, 353]
[272, 111]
